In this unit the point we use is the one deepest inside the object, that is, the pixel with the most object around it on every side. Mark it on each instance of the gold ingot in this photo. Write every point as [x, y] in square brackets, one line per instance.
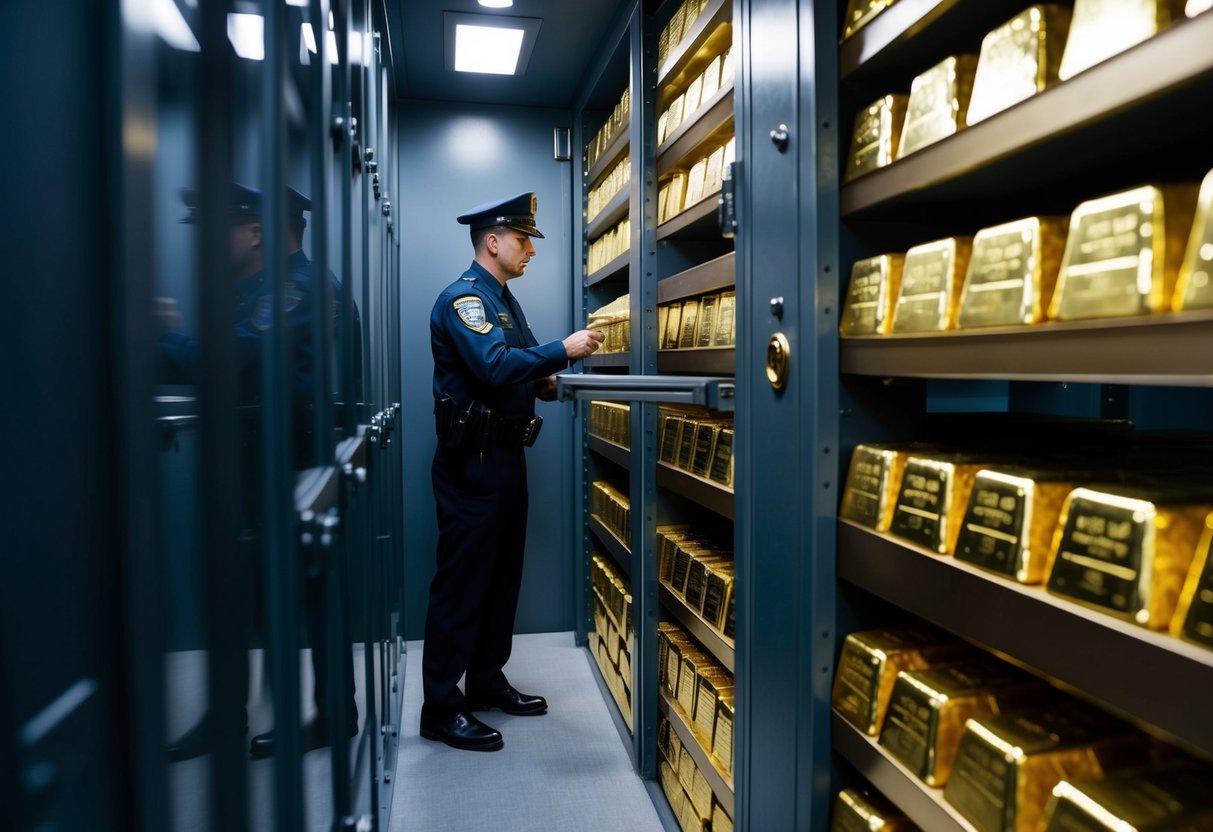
[721, 822]
[1175, 796]
[1018, 59]
[875, 282]
[1123, 253]
[1103, 28]
[868, 668]
[873, 483]
[1194, 287]
[722, 734]
[933, 498]
[726, 321]
[876, 136]
[1126, 552]
[860, 12]
[1009, 524]
[721, 470]
[1008, 764]
[861, 810]
[928, 710]
[931, 280]
[939, 102]
[1012, 272]
[1193, 619]
[719, 585]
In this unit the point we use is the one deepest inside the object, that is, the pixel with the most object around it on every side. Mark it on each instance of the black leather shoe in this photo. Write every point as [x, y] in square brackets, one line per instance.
[508, 700]
[461, 730]
[312, 736]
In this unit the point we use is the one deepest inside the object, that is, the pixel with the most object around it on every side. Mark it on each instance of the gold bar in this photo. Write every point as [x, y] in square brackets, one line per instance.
[928, 709]
[864, 810]
[1193, 619]
[701, 797]
[1018, 59]
[722, 734]
[1127, 552]
[712, 682]
[705, 447]
[871, 295]
[1103, 28]
[876, 136]
[939, 101]
[873, 483]
[933, 498]
[931, 279]
[726, 320]
[1176, 796]
[860, 13]
[1123, 253]
[870, 662]
[721, 822]
[1194, 287]
[721, 470]
[720, 585]
[1012, 272]
[1009, 524]
[686, 443]
[707, 321]
[688, 678]
[1008, 764]
[690, 318]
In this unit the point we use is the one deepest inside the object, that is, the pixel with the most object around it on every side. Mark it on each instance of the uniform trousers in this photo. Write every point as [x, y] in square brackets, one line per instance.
[482, 509]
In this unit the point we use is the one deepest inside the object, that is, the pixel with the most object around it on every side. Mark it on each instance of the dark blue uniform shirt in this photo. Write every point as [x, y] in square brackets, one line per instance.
[484, 349]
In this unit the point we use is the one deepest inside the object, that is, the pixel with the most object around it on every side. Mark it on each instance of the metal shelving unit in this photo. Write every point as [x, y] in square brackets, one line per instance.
[608, 359]
[720, 360]
[617, 454]
[614, 211]
[721, 783]
[711, 495]
[695, 223]
[615, 547]
[712, 29]
[713, 275]
[616, 268]
[711, 124]
[713, 640]
[610, 156]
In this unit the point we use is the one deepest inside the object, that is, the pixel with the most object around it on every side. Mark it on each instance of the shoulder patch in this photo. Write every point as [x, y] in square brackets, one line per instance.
[263, 313]
[470, 309]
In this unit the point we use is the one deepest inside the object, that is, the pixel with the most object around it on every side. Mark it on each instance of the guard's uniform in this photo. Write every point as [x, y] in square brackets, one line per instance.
[485, 359]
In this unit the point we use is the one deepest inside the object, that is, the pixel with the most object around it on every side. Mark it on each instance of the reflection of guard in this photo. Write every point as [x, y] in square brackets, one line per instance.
[488, 370]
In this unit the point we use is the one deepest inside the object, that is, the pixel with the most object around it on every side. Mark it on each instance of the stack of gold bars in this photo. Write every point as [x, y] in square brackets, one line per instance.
[1009, 751]
[608, 187]
[1123, 527]
[693, 565]
[1142, 251]
[682, 189]
[700, 693]
[615, 124]
[867, 810]
[612, 508]
[611, 421]
[690, 796]
[680, 26]
[698, 442]
[1041, 46]
[613, 243]
[613, 640]
[706, 321]
[699, 92]
[615, 322]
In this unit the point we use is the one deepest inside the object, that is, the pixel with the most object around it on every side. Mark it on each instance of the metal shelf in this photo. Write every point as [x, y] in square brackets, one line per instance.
[618, 266]
[698, 360]
[707, 635]
[608, 158]
[709, 494]
[721, 783]
[615, 547]
[606, 359]
[715, 274]
[708, 122]
[716, 393]
[690, 58]
[1170, 350]
[1146, 677]
[1061, 133]
[699, 222]
[614, 211]
[911, 35]
[922, 804]
[617, 454]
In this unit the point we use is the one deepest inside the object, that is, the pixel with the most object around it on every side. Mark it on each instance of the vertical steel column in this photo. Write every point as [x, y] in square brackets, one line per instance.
[642, 483]
[321, 157]
[219, 486]
[283, 572]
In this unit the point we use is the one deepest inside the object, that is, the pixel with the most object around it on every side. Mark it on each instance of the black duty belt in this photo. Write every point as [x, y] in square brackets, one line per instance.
[516, 431]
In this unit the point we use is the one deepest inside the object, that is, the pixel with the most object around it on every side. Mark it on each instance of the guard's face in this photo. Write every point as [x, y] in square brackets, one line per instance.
[514, 251]
[246, 241]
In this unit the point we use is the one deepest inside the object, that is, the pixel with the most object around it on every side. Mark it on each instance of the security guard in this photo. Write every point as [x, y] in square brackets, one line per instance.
[488, 370]
[253, 319]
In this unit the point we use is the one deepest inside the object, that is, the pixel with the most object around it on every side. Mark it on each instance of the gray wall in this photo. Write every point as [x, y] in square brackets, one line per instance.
[453, 157]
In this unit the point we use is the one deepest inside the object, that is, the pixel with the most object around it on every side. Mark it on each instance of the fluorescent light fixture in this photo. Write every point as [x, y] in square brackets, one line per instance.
[489, 44]
[297, 3]
[496, 4]
[309, 41]
[162, 17]
[487, 49]
[247, 34]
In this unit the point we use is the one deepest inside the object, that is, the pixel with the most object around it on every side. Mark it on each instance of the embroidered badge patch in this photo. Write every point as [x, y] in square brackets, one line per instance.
[470, 310]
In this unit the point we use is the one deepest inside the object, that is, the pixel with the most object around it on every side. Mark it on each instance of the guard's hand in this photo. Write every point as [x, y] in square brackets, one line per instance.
[582, 343]
[545, 389]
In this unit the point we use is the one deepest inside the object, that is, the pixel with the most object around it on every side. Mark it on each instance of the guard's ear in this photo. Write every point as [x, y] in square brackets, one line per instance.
[255, 233]
[492, 243]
